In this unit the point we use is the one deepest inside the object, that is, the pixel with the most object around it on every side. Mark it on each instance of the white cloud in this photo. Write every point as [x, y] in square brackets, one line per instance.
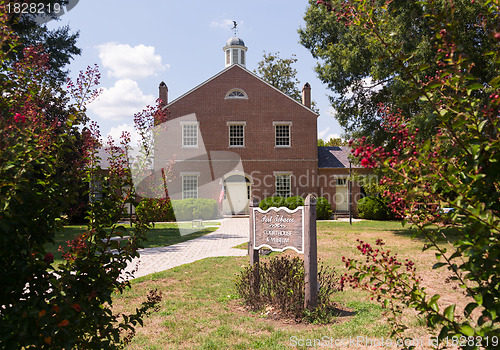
[121, 101]
[116, 133]
[324, 135]
[323, 132]
[125, 61]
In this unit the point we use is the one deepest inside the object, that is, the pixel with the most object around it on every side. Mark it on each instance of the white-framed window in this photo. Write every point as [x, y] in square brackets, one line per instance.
[282, 131]
[236, 134]
[189, 134]
[228, 56]
[189, 185]
[283, 183]
[243, 57]
[341, 181]
[236, 94]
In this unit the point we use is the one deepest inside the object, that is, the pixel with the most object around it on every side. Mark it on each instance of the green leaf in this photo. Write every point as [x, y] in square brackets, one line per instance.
[475, 86]
[449, 313]
[433, 303]
[481, 125]
[467, 330]
[469, 308]
[438, 265]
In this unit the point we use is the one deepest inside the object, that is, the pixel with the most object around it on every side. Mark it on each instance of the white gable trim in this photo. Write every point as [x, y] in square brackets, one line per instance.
[249, 72]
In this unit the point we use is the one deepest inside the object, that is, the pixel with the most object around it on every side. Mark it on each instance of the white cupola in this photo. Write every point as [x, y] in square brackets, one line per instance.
[235, 52]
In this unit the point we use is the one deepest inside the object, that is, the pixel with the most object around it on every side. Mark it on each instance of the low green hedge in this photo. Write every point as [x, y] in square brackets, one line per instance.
[155, 209]
[323, 207]
[160, 209]
[373, 208]
[192, 209]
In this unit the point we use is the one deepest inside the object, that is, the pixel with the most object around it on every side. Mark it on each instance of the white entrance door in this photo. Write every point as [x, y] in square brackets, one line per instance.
[341, 195]
[236, 195]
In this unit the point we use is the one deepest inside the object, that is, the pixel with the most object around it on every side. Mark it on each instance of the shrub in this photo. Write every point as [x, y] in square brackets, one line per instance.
[323, 209]
[205, 209]
[287, 202]
[183, 209]
[454, 161]
[189, 209]
[68, 305]
[281, 285]
[155, 209]
[269, 202]
[373, 208]
[294, 202]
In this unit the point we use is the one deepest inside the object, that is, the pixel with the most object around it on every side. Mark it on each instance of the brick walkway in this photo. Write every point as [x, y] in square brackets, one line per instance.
[232, 232]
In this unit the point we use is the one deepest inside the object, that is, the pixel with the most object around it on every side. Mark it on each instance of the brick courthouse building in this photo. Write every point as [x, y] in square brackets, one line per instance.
[235, 136]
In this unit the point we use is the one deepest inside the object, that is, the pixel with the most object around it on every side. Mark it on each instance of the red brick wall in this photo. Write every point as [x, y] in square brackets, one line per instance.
[260, 158]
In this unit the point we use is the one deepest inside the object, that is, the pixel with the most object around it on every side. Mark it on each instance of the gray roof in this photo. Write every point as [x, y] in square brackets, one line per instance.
[235, 41]
[334, 157]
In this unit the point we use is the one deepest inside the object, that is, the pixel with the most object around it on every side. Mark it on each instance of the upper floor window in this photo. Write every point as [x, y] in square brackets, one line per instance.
[189, 134]
[236, 94]
[282, 134]
[236, 134]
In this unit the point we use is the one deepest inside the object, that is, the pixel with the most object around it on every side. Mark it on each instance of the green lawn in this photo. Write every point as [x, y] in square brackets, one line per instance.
[200, 309]
[161, 235]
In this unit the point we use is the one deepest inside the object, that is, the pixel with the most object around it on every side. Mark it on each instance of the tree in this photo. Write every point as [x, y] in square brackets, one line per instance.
[48, 305]
[59, 43]
[362, 76]
[333, 142]
[280, 73]
[456, 167]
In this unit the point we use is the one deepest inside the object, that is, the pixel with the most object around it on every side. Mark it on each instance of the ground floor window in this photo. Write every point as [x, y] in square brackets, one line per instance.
[189, 186]
[283, 185]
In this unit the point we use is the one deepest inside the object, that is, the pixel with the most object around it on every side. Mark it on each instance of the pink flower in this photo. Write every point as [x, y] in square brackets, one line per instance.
[365, 162]
[49, 258]
[19, 118]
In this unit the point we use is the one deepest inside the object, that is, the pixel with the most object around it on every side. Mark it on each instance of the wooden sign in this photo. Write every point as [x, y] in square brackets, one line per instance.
[279, 229]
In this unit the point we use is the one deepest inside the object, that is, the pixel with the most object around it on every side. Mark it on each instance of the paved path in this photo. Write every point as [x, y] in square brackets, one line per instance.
[232, 232]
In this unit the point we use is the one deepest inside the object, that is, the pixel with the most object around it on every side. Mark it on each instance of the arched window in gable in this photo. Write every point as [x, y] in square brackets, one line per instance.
[236, 94]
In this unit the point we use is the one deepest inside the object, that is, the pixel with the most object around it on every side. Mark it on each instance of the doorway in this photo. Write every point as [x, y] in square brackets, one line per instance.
[236, 195]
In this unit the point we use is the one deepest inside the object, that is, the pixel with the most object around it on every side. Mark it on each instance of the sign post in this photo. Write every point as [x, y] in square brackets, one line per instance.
[310, 255]
[281, 228]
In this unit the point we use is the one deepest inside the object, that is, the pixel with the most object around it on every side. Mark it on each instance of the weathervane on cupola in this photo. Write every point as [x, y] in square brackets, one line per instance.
[235, 49]
[234, 28]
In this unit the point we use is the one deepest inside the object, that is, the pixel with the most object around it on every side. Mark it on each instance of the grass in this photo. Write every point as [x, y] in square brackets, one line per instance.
[161, 235]
[200, 310]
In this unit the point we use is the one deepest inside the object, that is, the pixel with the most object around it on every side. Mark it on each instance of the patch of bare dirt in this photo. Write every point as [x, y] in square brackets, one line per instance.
[274, 318]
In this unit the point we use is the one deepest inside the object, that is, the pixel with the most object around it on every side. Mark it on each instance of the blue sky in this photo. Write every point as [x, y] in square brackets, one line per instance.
[138, 44]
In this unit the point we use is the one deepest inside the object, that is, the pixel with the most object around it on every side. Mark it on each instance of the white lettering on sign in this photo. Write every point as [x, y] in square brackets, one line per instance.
[279, 229]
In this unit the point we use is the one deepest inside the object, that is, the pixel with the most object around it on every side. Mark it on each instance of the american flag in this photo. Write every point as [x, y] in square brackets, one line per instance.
[221, 196]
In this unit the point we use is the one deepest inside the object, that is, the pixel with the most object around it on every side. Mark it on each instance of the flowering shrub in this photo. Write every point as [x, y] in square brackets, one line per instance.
[68, 306]
[456, 166]
[155, 210]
